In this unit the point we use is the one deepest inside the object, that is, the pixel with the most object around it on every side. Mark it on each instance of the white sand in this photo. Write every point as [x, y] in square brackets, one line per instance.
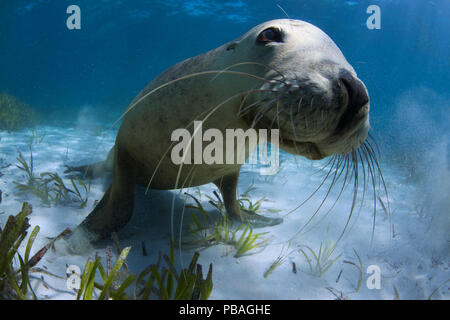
[415, 261]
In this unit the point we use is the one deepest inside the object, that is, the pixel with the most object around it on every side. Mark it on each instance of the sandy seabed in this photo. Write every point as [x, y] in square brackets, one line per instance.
[410, 247]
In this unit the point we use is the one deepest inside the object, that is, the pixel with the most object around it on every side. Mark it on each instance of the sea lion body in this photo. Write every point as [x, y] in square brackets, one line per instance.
[151, 122]
[288, 73]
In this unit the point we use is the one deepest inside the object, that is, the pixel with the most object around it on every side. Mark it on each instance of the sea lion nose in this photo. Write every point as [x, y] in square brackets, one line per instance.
[357, 93]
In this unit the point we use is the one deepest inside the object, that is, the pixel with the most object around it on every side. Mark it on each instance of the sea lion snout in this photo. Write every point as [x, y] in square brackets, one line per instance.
[356, 91]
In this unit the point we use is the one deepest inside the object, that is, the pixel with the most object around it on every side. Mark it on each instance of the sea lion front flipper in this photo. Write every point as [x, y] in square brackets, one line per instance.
[228, 187]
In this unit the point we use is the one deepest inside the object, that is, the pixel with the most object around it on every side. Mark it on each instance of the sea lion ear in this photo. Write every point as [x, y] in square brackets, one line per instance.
[232, 45]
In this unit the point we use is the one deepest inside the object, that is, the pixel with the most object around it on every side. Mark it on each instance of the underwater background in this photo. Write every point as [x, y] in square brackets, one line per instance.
[80, 81]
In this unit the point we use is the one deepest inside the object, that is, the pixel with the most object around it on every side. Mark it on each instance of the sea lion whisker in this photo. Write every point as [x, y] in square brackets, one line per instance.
[293, 129]
[243, 101]
[372, 138]
[372, 160]
[253, 63]
[373, 163]
[244, 111]
[299, 104]
[276, 116]
[311, 109]
[314, 192]
[192, 173]
[311, 104]
[369, 165]
[380, 174]
[255, 103]
[326, 165]
[345, 166]
[256, 119]
[201, 73]
[359, 151]
[248, 111]
[364, 178]
[188, 176]
[350, 168]
[334, 181]
[356, 166]
[375, 200]
[191, 176]
[260, 114]
[374, 157]
[344, 160]
[355, 196]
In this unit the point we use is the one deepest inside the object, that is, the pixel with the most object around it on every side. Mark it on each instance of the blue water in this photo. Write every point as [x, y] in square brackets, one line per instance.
[124, 44]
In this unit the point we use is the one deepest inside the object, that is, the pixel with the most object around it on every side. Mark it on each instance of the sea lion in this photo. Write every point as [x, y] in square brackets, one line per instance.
[285, 74]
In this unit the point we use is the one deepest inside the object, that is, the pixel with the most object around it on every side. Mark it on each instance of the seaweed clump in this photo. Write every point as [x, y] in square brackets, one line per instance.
[15, 281]
[155, 282]
[207, 230]
[49, 187]
[15, 114]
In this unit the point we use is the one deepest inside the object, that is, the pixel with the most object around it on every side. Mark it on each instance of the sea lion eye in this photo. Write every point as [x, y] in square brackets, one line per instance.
[270, 35]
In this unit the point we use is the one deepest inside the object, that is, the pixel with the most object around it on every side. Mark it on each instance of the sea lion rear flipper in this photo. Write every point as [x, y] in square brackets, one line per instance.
[91, 171]
[228, 187]
[116, 207]
[94, 170]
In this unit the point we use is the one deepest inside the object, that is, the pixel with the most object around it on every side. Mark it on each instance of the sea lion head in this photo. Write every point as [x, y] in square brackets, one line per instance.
[313, 94]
